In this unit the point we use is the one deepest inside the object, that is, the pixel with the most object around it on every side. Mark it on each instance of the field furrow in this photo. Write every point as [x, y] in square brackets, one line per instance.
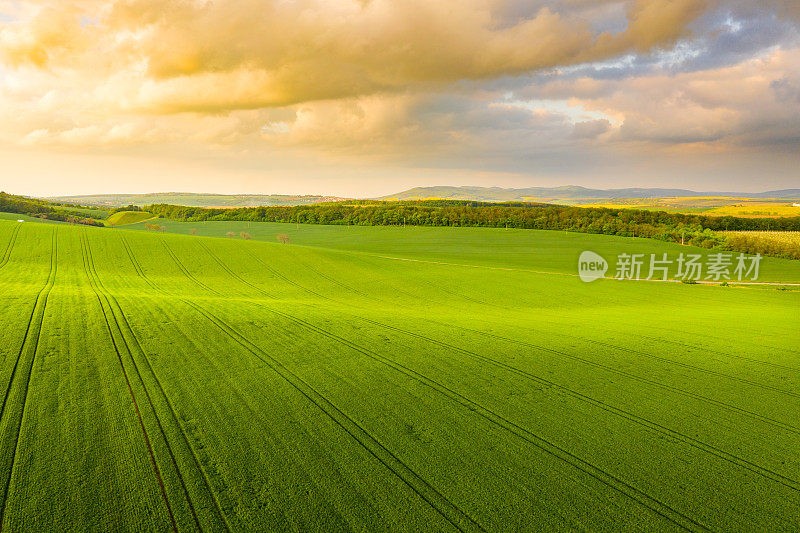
[116, 338]
[203, 494]
[15, 399]
[451, 513]
[563, 454]
[10, 246]
[159, 382]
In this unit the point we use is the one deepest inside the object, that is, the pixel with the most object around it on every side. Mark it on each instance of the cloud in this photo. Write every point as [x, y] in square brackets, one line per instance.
[589, 129]
[751, 104]
[234, 54]
[515, 85]
[786, 90]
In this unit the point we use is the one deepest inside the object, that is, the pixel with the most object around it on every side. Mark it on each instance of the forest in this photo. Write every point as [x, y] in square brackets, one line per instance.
[696, 230]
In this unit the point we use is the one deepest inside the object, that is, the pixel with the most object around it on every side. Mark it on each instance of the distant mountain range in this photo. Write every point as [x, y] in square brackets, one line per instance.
[194, 199]
[566, 194]
[570, 192]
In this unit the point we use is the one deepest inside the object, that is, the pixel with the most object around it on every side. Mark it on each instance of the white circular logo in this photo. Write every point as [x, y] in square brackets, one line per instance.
[591, 266]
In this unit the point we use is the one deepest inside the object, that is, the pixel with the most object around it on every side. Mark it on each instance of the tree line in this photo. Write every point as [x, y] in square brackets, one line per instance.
[693, 229]
[11, 203]
[484, 214]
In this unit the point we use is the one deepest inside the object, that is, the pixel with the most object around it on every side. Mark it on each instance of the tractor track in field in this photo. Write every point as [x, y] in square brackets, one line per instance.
[435, 287]
[743, 463]
[494, 306]
[430, 495]
[10, 246]
[639, 352]
[698, 444]
[551, 273]
[727, 406]
[30, 341]
[130, 387]
[667, 341]
[654, 426]
[232, 273]
[123, 321]
[718, 352]
[724, 405]
[452, 513]
[333, 280]
[136, 266]
[455, 516]
[543, 444]
[696, 368]
[287, 280]
[186, 271]
[674, 331]
[548, 447]
[682, 364]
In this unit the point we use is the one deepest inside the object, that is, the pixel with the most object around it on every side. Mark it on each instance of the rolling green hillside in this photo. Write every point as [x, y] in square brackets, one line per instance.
[122, 218]
[552, 251]
[173, 382]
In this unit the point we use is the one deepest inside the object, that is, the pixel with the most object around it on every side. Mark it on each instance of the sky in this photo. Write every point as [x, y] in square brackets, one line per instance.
[362, 98]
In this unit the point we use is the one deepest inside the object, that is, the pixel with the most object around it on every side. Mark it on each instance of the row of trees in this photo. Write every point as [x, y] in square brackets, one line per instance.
[461, 213]
[10, 203]
[693, 229]
[78, 220]
[129, 207]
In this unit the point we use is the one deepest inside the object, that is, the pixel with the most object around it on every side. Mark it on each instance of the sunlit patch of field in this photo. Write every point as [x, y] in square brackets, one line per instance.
[624, 206]
[122, 218]
[706, 205]
[757, 210]
[705, 198]
[785, 237]
[786, 243]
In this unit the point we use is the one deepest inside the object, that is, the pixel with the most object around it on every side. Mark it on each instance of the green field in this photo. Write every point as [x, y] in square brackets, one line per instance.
[549, 251]
[122, 218]
[157, 382]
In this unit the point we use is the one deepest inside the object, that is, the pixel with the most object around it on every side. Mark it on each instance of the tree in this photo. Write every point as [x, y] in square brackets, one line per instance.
[193, 231]
[129, 207]
[230, 234]
[246, 236]
[284, 238]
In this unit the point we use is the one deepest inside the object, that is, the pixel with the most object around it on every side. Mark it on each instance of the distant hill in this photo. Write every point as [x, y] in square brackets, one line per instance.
[570, 192]
[194, 199]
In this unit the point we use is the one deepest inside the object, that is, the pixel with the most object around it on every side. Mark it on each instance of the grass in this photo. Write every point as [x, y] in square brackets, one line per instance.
[551, 251]
[122, 218]
[154, 380]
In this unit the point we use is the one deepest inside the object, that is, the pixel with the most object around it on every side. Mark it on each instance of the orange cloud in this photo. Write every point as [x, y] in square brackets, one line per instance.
[196, 55]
